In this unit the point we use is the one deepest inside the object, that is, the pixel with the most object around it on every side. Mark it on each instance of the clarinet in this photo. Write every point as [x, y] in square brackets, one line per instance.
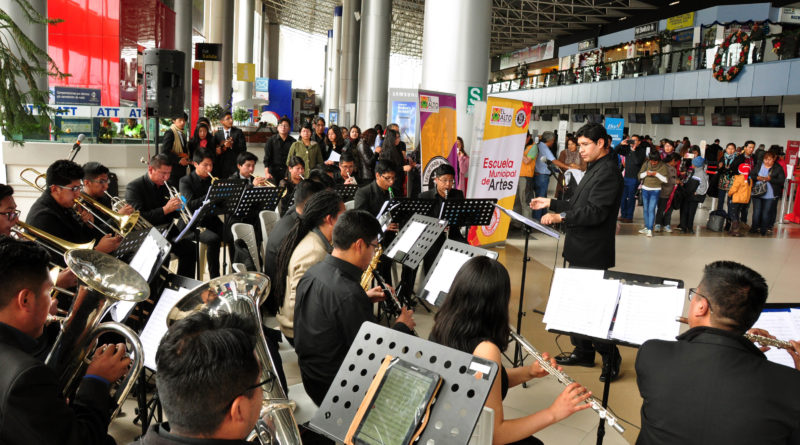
[755, 338]
[566, 380]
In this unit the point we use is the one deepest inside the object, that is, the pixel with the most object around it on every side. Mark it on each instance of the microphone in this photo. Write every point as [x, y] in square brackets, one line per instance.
[76, 147]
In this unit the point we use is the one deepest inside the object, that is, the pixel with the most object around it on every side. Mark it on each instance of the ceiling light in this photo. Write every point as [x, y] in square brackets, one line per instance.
[623, 18]
[675, 2]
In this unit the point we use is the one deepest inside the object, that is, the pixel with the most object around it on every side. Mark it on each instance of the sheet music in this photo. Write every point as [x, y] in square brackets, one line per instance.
[530, 223]
[334, 156]
[581, 301]
[446, 269]
[647, 312]
[783, 324]
[410, 236]
[146, 257]
[156, 326]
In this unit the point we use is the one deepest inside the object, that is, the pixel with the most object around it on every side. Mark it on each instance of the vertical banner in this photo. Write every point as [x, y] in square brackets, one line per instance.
[437, 120]
[497, 172]
[614, 127]
[403, 112]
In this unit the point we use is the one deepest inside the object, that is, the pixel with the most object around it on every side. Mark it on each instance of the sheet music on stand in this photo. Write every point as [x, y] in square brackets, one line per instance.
[530, 223]
[402, 209]
[783, 321]
[596, 304]
[256, 199]
[451, 258]
[415, 239]
[346, 191]
[199, 215]
[224, 195]
[468, 212]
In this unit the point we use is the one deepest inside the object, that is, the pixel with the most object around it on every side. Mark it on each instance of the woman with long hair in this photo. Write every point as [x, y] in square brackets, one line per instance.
[474, 319]
[463, 165]
[334, 143]
[354, 136]
[202, 139]
[391, 152]
[366, 157]
[295, 173]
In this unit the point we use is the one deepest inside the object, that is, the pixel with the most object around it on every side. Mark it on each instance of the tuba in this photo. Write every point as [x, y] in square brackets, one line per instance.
[243, 293]
[104, 280]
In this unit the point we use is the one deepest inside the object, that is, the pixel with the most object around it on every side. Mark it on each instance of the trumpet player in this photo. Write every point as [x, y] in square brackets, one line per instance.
[31, 407]
[54, 211]
[194, 188]
[95, 184]
[713, 385]
[149, 195]
[245, 166]
[474, 319]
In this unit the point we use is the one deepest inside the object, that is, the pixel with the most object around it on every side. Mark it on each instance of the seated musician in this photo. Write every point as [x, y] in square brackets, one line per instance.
[95, 184]
[474, 319]
[149, 195]
[371, 198]
[346, 174]
[209, 382]
[444, 179]
[194, 188]
[246, 164]
[306, 244]
[713, 385]
[53, 211]
[175, 146]
[32, 410]
[331, 305]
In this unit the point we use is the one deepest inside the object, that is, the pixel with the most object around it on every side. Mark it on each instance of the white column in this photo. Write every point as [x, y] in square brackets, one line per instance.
[373, 70]
[348, 84]
[336, 43]
[219, 75]
[183, 42]
[244, 54]
[326, 87]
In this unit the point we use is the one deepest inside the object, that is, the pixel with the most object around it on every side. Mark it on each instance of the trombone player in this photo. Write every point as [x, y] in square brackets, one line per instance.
[53, 212]
[95, 184]
[33, 410]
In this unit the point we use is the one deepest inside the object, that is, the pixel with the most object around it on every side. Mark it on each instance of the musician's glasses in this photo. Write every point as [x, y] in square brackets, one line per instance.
[270, 380]
[693, 292]
[75, 189]
[12, 214]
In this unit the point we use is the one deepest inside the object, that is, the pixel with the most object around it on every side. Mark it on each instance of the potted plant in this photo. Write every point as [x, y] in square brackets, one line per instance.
[214, 113]
[241, 115]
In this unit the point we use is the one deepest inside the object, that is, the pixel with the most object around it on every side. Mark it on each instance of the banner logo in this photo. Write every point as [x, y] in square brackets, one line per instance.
[429, 104]
[520, 118]
[501, 116]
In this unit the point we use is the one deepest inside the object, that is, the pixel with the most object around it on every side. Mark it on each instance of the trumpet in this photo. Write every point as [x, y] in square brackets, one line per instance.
[596, 405]
[269, 184]
[118, 203]
[755, 338]
[186, 215]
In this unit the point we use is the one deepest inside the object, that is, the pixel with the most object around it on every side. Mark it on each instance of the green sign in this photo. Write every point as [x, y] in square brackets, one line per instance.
[474, 95]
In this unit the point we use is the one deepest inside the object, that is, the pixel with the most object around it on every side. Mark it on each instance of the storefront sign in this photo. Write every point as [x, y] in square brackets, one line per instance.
[683, 36]
[646, 30]
[789, 15]
[76, 96]
[100, 112]
[587, 44]
[792, 149]
[208, 51]
[531, 54]
[680, 21]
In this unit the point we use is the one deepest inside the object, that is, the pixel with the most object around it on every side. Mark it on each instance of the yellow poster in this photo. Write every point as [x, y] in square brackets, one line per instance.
[500, 158]
[246, 72]
[437, 118]
[680, 21]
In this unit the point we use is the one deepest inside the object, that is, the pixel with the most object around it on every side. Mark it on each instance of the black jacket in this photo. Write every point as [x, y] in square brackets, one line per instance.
[178, 170]
[32, 410]
[159, 434]
[633, 158]
[715, 387]
[371, 198]
[276, 151]
[453, 232]
[194, 189]
[148, 198]
[46, 214]
[591, 216]
[225, 163]
[776, 177]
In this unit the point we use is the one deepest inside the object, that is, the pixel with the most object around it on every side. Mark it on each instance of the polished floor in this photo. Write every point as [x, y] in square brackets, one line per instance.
[674, 255]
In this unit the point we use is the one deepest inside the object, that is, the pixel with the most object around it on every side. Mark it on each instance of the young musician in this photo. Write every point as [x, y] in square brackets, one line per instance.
[32, 410]
[306, 244]
[9, 215]
[347, 170]
[194, 188]
[713, 385]
[230, 142]
[149, 195]
[444, 179]
[53, 211]
[95, 184]
[474, 319]
[209, 382]
[245, 166]
[331, 305]
[371, 198]
[176, 147]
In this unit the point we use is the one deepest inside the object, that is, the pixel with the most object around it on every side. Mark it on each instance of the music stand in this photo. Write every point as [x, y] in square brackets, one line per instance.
[402, 209]
[468, 212]
[224, 197]
[256, 199]
[347, 191]
[130, 245]
[414, 240]
[627, 278]
[467, 381]
[435, 291]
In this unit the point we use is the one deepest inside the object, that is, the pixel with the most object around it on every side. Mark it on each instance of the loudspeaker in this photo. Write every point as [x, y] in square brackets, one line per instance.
[163, 82]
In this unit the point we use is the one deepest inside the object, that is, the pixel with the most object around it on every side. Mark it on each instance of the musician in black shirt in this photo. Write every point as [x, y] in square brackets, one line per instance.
[444, 179]
[194, 188]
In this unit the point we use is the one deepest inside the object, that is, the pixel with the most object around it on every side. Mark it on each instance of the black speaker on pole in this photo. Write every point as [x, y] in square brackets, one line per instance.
[163, 82]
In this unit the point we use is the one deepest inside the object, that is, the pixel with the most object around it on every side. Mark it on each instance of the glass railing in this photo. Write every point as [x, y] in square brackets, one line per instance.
[691, 59]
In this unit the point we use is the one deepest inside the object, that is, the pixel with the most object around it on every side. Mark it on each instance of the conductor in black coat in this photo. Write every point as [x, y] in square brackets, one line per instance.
[713, 386]
[230, 142]
[590, 218]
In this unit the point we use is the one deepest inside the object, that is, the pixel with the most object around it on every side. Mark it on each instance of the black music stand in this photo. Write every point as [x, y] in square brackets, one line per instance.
[130, 245]
[347, 191]
[256, 199]
[467, 381]
[468, 212]
[225, 196]
[627, 278]
[402, 209]
[446, 274]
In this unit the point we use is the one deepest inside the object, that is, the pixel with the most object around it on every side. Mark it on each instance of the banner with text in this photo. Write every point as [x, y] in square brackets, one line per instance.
[437, 123]
[614, 128]
[497, 171]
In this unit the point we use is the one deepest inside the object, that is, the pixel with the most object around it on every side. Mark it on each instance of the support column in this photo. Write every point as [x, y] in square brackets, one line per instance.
[183, 42]
[456, 56]
[351, 30]
[326, 87]
[373, 71]
[244, 54]
[37, 34]
[335, 57]
[270, 47]
[219, 75]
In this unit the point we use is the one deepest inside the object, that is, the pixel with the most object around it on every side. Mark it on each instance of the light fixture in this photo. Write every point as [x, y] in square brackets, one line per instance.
[675, 2]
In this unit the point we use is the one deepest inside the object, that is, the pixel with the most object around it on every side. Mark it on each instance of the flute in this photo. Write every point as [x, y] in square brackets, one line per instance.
[596, 405]
[755, 338]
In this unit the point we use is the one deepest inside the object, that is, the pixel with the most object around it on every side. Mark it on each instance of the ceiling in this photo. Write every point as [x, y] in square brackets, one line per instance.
[516, 24]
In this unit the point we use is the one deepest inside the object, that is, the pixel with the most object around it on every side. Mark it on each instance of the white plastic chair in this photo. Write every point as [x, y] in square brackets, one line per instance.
[248, 234]
[484, 429]
[350, 205]
[268, 220]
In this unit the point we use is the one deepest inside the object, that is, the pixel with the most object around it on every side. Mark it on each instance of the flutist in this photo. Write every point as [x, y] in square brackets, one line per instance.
[713, 386]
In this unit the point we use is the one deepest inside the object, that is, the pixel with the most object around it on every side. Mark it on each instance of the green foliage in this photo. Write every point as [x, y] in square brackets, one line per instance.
[19, 73]
[214, 113]
[241, 115]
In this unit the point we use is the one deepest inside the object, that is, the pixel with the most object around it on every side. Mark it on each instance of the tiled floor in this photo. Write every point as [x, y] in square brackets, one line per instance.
[672, 255]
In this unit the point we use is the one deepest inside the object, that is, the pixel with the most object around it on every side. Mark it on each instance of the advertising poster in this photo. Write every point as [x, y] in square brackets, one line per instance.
[437, 120]
[497, 168]
[403, 111]
[614, 127]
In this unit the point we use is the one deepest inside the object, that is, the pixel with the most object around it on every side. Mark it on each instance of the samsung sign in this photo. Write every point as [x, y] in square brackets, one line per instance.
[646, 30]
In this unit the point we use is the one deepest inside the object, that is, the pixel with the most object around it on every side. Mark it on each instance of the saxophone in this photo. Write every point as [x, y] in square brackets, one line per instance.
[366, 277]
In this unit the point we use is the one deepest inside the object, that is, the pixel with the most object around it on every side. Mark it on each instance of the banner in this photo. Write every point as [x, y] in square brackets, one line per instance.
[437, 120]
[403, 112]
[614, 127]
[498, 163]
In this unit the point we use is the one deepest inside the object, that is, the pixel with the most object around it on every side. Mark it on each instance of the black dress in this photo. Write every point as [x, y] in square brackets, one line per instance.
[530, 440]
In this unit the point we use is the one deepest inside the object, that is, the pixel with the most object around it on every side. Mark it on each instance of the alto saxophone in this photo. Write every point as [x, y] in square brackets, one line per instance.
[366, 277]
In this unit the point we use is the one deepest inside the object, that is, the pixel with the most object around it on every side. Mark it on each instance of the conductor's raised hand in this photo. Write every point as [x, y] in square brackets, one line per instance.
[540, 203]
